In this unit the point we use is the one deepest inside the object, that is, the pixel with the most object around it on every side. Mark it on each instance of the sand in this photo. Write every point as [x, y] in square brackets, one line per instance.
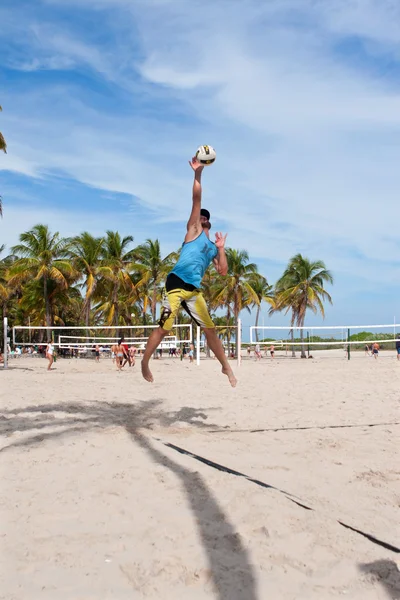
[95, 505]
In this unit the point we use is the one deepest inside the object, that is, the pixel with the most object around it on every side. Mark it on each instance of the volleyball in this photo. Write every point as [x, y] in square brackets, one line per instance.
[206, 155]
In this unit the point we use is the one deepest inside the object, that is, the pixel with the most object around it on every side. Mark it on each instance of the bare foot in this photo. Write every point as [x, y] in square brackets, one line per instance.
[146, 372]
[229, 373]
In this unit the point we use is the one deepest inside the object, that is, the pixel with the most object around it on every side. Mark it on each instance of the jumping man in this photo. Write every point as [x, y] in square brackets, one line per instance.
[182, 286]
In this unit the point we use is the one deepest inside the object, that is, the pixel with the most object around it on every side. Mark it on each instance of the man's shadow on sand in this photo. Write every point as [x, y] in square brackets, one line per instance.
[230, 570]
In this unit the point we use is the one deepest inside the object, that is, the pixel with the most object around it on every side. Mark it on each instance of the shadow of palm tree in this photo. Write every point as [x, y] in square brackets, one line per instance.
[229, 563]
[140, 414]
[387, 573]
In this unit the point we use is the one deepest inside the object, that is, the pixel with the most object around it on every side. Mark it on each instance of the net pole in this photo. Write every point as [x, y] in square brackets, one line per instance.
[239, 342]
[5, 355]
[198, 345]
[348, 345]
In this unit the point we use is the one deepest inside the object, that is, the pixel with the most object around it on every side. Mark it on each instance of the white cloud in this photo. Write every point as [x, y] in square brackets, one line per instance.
[303, 137]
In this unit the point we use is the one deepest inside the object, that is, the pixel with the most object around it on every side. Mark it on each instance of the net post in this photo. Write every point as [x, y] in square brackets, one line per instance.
[198, 345]
[308, 344]
[239, 342]
[5, 355]
[348, 345]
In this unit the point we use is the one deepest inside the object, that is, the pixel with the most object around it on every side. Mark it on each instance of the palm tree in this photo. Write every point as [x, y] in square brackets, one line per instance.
[235, 291]
[263, 292]
[43, 256]
[153, 269]
[236, 287]
[86, 252]
[66, 303]
[115, 268]
[278, 304]
[7, 292]
[301, 287]
[224, 327]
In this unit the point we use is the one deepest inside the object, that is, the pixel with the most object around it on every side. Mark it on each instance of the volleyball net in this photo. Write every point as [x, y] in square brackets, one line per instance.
[323, 341]
[85, 338]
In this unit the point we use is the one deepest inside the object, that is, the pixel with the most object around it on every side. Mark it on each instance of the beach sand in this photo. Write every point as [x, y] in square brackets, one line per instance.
[95, 505]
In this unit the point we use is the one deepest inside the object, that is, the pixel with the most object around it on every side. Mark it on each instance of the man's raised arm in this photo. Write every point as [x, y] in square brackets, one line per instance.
[194, 219]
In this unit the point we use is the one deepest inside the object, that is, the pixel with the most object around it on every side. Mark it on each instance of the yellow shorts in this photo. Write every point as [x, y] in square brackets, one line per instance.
[193, 303]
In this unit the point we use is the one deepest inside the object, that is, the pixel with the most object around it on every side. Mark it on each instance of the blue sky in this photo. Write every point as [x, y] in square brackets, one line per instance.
[104, 101]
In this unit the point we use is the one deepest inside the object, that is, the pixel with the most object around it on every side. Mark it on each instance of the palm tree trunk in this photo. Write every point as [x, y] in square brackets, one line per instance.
[292, 335]
[154, 304]
[47, 304]
[115, 303]
[303, 348]
[87, 313]
[236, 314]
[257, 317]
[228, 334]
[4, 307]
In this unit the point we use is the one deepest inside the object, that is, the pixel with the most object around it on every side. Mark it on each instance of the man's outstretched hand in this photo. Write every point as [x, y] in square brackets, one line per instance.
[196, 166]
[220, 239]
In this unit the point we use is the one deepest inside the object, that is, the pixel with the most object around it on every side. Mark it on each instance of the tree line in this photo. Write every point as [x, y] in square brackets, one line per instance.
[47, 279]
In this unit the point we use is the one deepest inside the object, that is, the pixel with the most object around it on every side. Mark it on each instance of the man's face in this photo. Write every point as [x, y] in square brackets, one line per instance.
[205, 223]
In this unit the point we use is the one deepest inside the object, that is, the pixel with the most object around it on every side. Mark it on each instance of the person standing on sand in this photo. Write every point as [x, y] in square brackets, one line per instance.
[113, 352]
[50, 354]
[120, 354]
[182, 286]
[132, 354]
[125, 350]
[272, 351]
[375, 349]
[97, 353]
[398, 348]
[191, 353]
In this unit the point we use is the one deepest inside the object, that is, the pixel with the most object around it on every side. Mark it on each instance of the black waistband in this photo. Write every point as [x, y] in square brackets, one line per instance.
[174, 282]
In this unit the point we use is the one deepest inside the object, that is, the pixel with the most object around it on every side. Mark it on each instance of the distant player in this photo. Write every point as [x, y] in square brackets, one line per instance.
[125, 347]
[375, 349]
[50, 354]
[191, 353]
[182, 286]
[132, 355]
[120, 355]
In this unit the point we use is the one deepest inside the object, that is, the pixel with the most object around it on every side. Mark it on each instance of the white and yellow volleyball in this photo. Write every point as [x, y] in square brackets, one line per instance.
[206, 155]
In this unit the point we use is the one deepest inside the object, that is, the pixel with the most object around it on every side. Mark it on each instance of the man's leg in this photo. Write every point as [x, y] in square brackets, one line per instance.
[196, 307]
[154, 340]
[216, 346]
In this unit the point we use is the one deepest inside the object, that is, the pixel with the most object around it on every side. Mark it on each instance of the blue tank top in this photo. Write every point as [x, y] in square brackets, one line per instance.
[194, 259]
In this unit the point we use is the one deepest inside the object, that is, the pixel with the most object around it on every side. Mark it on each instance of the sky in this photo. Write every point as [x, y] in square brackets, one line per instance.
[104, 102]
